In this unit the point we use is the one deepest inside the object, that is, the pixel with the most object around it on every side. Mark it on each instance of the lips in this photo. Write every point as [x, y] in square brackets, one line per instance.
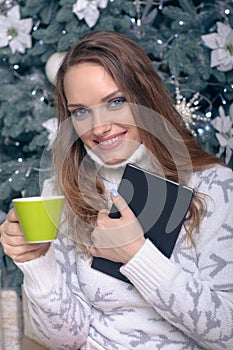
[110, 142]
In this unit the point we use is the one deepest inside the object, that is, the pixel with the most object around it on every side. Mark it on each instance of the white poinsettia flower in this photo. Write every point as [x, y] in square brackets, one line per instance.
[88, 10]
[51, 125]
[221, 44]
[15, 31]
[224, 125]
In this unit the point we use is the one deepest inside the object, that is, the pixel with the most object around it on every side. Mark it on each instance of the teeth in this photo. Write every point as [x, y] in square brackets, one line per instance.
[109, 142]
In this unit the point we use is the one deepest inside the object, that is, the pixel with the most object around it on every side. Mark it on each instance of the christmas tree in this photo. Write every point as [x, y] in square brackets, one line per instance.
[189, 42]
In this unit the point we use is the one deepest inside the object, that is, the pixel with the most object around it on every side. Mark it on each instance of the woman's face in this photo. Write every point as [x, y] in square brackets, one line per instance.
[100, 113]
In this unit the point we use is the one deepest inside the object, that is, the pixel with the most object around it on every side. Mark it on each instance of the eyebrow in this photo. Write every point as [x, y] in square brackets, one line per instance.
[104, 99]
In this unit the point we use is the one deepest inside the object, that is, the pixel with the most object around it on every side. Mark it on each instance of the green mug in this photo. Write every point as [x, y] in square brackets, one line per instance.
[39, 217]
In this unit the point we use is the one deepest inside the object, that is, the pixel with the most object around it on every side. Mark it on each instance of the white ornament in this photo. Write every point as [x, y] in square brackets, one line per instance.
[51, 125]
[15, 31]
[88, 10]
[224, 126]
[52, 66]
[221, 44]
[231, 111]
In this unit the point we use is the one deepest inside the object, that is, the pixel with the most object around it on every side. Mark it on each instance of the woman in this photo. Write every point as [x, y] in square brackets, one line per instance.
[113, 109]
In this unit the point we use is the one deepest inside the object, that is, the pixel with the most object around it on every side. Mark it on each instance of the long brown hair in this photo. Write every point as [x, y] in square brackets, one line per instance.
[134, 74]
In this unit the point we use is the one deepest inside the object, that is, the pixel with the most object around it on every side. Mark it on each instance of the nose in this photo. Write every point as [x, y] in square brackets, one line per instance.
[101, 125]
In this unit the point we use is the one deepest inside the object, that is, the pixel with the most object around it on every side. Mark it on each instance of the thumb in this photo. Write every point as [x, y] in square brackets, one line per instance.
[121, 204]
[12, 216]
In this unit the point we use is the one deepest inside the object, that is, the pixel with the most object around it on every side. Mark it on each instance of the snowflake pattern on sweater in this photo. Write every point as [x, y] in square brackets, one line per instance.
[185, 303]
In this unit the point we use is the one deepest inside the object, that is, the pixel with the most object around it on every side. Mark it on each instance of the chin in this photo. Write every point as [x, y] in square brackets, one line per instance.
[116, 157]
[114, 161]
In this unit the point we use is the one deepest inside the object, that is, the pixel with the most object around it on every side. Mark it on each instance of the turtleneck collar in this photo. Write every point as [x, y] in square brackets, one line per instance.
[114, 172]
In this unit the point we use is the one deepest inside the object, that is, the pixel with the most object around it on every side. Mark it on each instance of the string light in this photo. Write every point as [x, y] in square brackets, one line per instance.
[36, 26]
[6, 5]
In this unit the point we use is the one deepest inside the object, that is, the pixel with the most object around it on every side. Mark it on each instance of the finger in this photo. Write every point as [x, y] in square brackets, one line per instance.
[92, 251]
[11, 229]
[13, 240]
[121, 205]
[27, 256]
[15, 252]
[102, 213]
[12, 216]
[102, 217]
[26, 252]
[95, 252]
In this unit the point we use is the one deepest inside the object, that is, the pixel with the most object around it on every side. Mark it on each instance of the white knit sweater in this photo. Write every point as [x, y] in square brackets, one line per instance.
[185, 303]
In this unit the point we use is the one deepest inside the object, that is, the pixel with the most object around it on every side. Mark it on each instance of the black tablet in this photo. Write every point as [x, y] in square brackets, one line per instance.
[160, 206]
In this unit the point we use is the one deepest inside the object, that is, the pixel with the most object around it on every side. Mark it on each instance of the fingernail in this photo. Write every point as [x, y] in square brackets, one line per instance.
[114, 192]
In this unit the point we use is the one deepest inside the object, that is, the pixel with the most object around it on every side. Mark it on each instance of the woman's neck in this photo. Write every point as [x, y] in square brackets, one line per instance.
[113, 173]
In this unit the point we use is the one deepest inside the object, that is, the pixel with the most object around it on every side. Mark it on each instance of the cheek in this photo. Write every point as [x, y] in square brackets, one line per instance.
[80, 128]
[135, 134]
[86, 138]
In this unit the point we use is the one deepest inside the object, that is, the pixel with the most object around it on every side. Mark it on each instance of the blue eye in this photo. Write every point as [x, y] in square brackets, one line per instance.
[116, 103]
[81, 113]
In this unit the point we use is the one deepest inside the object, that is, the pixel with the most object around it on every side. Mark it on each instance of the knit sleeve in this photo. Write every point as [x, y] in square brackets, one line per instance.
[193, 290]
[59, 311]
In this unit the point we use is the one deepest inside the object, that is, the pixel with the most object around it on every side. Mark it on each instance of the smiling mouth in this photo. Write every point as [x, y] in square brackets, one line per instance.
[111, 141]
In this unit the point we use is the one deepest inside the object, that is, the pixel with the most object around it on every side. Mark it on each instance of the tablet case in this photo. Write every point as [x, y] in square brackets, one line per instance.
[160, 206]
